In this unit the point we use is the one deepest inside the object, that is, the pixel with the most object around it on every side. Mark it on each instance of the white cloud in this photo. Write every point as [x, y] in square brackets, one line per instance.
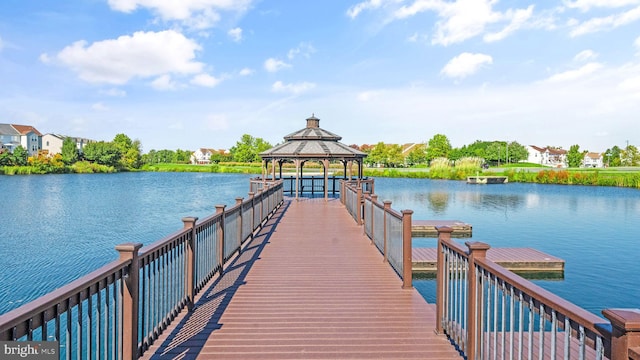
[356, 9]
[606, 23]
[518, 19]
[295, 89]
[274, 65]
[586, 5]
[466, 64]
[464, 19]
[115, 92]
[44, 58]
[368, 96]
[304, 49]
[205, 80]
[631, 84]
[235, 34]
[196, 14]
[246, 72]
[637, 44]
[143, 55]
[99, 107]
[163, 83]
[576, 74]
[585, 55]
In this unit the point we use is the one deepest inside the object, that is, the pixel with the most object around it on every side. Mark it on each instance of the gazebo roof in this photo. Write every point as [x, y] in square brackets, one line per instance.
[312, 142]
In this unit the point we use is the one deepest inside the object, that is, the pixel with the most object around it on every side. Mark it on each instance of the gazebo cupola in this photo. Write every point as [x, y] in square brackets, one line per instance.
[315, 144]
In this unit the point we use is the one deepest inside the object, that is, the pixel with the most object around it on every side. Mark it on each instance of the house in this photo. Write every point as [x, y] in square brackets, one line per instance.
[12, 136]
[593, 160]
[547, 156]
[53, 143]
[203, 155]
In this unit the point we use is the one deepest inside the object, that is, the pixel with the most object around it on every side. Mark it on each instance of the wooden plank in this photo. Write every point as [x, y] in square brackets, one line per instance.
[427, 228]
[514, 259]
[310, 285]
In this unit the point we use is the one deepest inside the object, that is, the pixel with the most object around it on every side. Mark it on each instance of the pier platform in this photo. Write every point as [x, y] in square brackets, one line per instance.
[514, 259]
[427, 228]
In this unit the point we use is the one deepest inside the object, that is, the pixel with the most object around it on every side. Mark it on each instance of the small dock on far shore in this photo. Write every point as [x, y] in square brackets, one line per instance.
[481, 179]
[514, 259]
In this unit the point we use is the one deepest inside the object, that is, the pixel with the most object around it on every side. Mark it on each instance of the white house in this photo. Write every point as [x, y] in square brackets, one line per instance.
[593, 160]
[202, 156]
[53, 143]
[547, 156]
[12, 136]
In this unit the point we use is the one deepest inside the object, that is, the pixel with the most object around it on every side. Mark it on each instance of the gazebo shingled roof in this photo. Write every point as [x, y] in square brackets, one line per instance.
[313, 143]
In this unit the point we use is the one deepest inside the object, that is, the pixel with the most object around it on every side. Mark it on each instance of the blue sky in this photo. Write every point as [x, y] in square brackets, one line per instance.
[200, 73]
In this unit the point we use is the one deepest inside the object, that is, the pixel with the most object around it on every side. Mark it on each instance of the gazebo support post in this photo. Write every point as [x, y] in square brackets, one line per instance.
[325, 162]
[350, 166]
[297, 177]
[264, 164]
[273, 169]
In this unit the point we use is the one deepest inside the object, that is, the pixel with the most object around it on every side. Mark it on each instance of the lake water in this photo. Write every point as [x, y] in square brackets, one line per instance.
[56, 228]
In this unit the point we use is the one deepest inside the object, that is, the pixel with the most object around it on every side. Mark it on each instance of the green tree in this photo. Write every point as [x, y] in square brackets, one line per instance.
[103, 153]
[69, 151]
[130, 151]
[248, 148]
[20, 156]
[394, 156]
[575, 157]
[517, 152]
[438, 146]
[630, 156]
[417, 155]
[377, 155]
[612, 157]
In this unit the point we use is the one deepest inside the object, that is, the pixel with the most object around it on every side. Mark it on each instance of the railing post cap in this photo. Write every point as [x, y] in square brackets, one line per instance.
[239, 199]
[444, 229]
[190, 219]
[251, 194]
[477, 245]
[129, 247]
[387, 203]
[220, 208]
[624, 319]
[407, 212]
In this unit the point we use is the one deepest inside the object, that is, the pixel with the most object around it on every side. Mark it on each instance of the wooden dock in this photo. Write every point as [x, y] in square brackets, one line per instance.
[427, 228]
[514, 259]
[309, 286]
[482, 179]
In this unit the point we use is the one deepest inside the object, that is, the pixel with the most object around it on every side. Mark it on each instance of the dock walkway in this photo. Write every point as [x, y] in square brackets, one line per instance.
[310, 285]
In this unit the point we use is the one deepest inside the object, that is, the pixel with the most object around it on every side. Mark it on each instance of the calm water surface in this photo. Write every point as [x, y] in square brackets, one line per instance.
[594, 229]
[56, 228]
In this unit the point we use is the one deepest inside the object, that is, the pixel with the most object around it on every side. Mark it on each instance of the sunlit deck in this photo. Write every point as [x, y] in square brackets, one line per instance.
[309, 286]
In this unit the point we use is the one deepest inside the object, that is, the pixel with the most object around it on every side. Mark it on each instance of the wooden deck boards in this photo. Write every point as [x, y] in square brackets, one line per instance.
[515, 259]
[309, 286]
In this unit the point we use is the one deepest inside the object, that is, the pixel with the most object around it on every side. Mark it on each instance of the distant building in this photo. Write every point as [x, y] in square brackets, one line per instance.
[53, 143]
[12, 136]
[593, 160]
[547, 156]
[203, 155]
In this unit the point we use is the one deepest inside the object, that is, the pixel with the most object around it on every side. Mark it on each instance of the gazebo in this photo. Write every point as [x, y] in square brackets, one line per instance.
[312, 143]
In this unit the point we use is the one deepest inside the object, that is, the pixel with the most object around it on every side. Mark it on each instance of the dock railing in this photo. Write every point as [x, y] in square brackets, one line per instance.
[387, 228]
[489, 312]
[119, 310]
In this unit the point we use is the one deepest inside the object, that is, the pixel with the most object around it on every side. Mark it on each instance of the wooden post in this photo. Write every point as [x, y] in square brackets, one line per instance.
[325, 162]
[407, 258]
[130, 296]
[240, 219]
[625, 331]
[387, 207]
[359, 204]
[374, 199]
[220, 247]
[477, 250]
[253, 210]
[444, 235]
[190, 261]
